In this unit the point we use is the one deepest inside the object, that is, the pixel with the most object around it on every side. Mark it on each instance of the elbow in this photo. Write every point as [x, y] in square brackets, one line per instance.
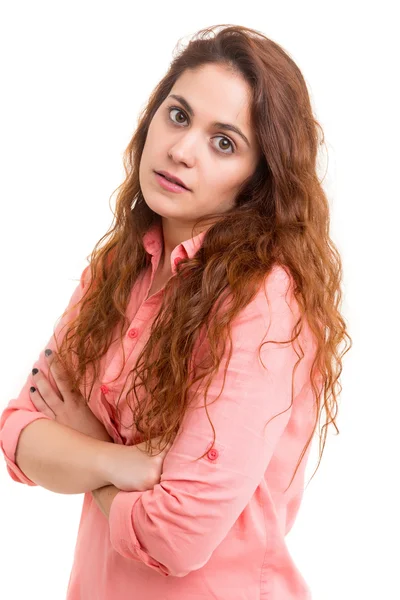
[183, 565]
[169, 563]
[181, 572]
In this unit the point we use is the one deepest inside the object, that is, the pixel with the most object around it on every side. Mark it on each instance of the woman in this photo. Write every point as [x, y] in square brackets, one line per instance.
[239, 249]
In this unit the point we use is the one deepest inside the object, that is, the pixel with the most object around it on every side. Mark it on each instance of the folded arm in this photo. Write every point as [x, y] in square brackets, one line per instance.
[21, 412]
[175, 527]
[61, 459]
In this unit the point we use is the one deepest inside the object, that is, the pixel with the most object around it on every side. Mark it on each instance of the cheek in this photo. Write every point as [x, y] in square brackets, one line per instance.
[154, 137]
[214, 197]
[225, 184]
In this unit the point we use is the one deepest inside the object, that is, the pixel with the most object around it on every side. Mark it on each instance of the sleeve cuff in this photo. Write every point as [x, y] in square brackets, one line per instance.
[9, 439]
[122, 530]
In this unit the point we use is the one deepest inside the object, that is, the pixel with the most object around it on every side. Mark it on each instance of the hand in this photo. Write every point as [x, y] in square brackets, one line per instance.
[68, 408]
[132, 470]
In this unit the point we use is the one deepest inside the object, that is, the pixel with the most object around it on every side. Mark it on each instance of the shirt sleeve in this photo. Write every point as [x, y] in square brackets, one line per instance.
[175, 527]
[20, 411]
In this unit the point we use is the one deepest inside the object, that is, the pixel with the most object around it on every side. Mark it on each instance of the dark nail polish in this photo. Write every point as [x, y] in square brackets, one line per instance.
[48, 352]
[32, 389]
[34, 371]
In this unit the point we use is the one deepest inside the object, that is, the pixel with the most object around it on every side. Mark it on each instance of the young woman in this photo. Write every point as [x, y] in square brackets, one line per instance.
[222, 231]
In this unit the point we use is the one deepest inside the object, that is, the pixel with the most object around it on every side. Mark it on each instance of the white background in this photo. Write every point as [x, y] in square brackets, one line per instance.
[74, 77]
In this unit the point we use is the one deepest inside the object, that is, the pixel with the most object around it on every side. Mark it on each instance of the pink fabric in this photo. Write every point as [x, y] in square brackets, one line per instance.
[214, 528]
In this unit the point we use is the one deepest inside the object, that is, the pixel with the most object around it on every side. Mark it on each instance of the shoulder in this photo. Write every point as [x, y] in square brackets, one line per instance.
[280, 310]
[85, 278]
[278, 281]
[272, 310]
[277, 308]
[276, 293]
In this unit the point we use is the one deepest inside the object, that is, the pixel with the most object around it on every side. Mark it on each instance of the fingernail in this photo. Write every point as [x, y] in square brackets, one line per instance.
[34, 371]
[48, 352]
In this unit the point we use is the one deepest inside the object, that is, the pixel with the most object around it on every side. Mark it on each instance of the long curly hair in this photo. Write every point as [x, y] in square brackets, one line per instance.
[280, 216]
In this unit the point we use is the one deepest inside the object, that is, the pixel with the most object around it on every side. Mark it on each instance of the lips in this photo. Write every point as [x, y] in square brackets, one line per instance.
[172, 178]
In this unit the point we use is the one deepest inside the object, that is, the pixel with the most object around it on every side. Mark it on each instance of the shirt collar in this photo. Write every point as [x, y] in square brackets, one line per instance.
[152, 241]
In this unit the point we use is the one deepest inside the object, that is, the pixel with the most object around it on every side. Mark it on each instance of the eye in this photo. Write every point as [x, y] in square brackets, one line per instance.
[171, 108]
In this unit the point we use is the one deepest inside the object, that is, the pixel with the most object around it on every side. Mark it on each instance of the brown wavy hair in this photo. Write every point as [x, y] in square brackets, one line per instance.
[280, 216]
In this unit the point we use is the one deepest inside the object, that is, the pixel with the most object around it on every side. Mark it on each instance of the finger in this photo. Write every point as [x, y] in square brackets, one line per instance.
[39, 403]
[61, 378]
[47, 393]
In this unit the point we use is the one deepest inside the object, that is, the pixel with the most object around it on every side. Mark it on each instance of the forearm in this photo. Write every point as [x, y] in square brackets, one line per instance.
[59, 458]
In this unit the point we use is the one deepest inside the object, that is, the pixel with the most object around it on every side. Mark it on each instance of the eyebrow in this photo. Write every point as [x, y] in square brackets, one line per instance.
[216, 124]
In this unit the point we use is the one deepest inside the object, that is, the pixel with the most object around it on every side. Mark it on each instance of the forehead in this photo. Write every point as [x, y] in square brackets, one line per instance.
[216, 94]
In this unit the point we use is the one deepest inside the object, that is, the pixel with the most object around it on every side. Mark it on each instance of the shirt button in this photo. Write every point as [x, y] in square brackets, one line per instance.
[132, 333]
[213, 454]
[104, 389]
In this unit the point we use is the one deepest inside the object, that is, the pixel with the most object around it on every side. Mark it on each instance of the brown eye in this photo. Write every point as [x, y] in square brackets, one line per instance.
[181, 113]
[223, 137]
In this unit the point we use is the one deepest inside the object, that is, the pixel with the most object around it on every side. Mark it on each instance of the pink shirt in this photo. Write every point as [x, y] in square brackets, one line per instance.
[214, 528]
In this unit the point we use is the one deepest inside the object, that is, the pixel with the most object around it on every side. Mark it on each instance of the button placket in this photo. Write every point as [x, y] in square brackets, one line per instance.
[214, 451]
[108, 411]
[213, 454]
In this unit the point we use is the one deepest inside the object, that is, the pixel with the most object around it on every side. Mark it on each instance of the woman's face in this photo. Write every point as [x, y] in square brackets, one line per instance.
[210, 160]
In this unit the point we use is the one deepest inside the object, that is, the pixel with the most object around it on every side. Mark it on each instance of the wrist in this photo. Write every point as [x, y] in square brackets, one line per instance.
[104, 461]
